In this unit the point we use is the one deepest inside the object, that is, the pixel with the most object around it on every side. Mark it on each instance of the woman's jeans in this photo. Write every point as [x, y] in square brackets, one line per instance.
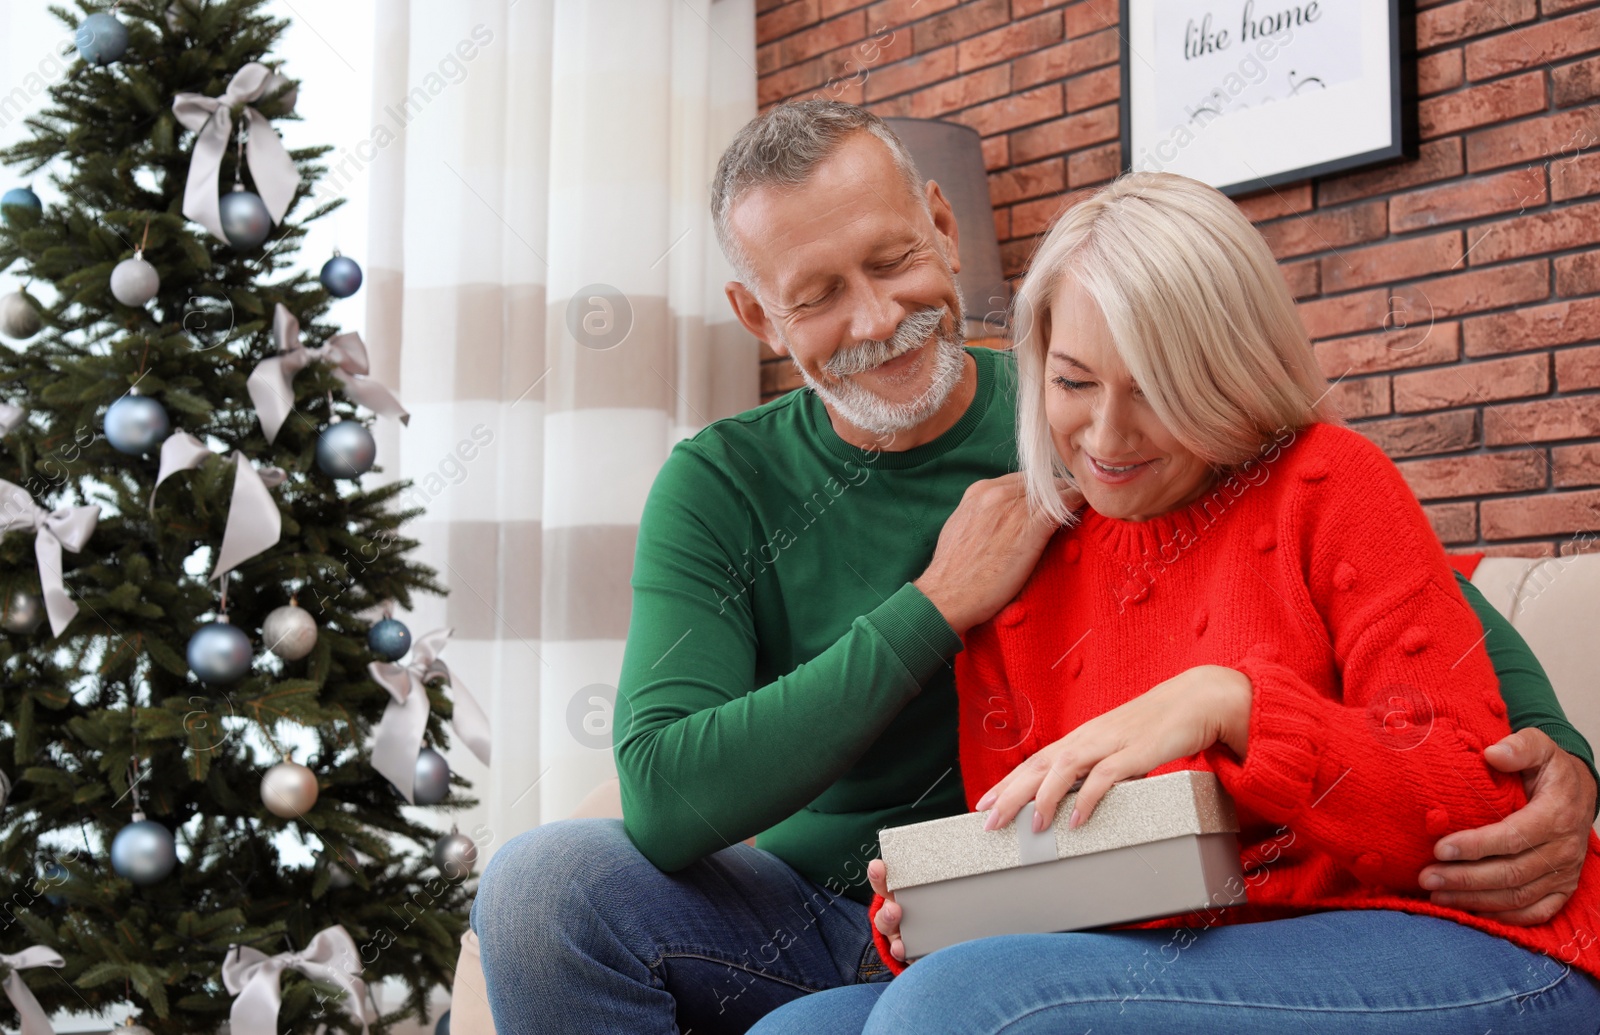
[579, 933]
[1372, 972]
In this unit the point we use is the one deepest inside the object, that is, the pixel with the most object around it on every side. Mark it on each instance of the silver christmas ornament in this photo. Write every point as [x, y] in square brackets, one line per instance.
[245, 219]
[134, 281]
[19, 318]
[341, 276]
[136, 424]
[338, 876]
[431, 784]
[144, 851]
[346, 449]
[219, 653]
[102, 39]
[454, 854]
[289, 632]
[22, 613]
[289, 790]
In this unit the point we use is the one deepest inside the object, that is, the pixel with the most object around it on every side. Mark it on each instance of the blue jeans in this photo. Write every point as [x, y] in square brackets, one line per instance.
[578, 932]
[1373, 972]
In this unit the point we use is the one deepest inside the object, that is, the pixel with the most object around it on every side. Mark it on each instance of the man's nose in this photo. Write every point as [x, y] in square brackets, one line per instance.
[877, 316]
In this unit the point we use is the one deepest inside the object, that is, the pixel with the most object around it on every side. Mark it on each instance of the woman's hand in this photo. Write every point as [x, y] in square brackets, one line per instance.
[888, 918]
[1175, 719]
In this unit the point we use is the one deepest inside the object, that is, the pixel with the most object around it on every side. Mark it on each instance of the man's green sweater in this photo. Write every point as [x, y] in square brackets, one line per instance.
[776, 638]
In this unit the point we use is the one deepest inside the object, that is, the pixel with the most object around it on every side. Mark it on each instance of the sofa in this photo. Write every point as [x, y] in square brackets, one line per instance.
[1554, 602]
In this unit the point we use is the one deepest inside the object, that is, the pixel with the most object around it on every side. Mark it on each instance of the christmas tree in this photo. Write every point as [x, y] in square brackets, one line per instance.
[163, 651]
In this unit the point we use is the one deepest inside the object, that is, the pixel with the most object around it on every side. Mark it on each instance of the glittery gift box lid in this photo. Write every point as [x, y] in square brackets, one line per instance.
[1133, 812]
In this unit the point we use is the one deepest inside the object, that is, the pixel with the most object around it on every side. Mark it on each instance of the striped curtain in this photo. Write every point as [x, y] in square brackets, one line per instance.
[546, 295]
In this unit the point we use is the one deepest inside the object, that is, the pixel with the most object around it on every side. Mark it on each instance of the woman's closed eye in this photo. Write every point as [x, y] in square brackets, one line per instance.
[1067, 383]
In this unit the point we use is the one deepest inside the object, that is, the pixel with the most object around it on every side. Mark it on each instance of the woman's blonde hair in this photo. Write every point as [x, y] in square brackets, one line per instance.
[1198, 311]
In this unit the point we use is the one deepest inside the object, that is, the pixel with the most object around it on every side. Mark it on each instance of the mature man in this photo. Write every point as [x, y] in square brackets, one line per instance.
[804, 574]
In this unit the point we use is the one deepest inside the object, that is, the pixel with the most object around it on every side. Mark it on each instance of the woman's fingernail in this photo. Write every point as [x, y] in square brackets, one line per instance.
[1072, 820]
[984, 802]
[1038, 821]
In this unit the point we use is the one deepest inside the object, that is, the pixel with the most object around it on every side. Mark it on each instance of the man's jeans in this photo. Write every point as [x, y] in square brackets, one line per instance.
[578, 932]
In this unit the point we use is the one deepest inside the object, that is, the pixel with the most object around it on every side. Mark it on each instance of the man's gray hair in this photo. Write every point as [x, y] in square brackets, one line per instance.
[782, 148]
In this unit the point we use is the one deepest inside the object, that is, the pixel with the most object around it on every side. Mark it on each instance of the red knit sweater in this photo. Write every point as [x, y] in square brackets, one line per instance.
[1316, 574]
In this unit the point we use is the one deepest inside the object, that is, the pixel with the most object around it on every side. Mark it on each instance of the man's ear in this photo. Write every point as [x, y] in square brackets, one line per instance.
[944, 223]
[752, 315]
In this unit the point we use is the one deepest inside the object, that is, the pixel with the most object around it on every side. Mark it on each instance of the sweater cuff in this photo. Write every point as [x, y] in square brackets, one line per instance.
[1279, 771]
[880, 940]
[916, 631]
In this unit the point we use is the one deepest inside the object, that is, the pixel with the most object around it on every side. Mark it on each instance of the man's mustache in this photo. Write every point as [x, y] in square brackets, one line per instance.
[913, 331]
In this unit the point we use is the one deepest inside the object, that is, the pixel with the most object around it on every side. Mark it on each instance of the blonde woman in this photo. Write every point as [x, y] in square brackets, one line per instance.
[1251, 589]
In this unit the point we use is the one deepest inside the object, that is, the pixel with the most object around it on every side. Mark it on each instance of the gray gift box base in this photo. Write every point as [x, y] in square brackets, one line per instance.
[1196, 871]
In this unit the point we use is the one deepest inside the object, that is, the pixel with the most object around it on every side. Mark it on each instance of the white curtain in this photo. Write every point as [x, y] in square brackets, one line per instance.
[537, 149]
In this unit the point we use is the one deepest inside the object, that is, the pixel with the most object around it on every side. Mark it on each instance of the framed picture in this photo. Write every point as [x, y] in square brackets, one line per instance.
[1250, 94]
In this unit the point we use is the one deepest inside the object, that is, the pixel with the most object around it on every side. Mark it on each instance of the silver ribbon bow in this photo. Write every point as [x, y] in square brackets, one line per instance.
[271, 383]
[254, 521]
[211, 118]
[11, 418]
[253, 978]
[34, 1020]
[68, 527]
[398, 739]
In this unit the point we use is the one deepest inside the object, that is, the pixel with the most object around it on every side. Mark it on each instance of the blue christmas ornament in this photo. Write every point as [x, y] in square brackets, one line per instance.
[345, 449]
[19, 201]
[136, 424]
[102, 39]
[341, 276]
[144, 851]
[443, 1027]
[55, 875]
[219, 653]
[389, 640]
[245, 219]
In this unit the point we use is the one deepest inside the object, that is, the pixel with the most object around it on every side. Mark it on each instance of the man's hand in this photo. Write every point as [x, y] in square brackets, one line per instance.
[1522, 869]
[888, 918]
[987, 549]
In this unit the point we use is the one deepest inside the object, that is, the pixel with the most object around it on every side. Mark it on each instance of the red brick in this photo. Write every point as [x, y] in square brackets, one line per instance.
[904, 12]
[1480, 105]
[819, 39]
[961, 92]
[964, 22]
[1533, 45]
[1464, 19]
[1578, 274]
[788, 82]
[1327, 229]
[893, 108]
[1072, 133]
[1519, 550]
[1533, 234]
[1478, 289]
[1448, 432]
[1470, 383]
[1551, 513]
[1093, 89]
[1453, 522]
[1345, 314]
[1356, 398]
[1439, 72]
[1035, 217]
[1276, 202]
[1583, 541]
[1092, 16]
[1390, 262]
[1479, 474]
[830, 8]
[1575, 177]
[1422, 345]
[1002, 224]
[1575, 465]
[1573, 416]
[1023, 8]
[1577, 83]
[763, 6]
[1532, 139]
[848, 90]
[910, 74]
[996, 152]
[1553, 7]
[1028, 181]
[1016, 254]
[781, 21]
[1303, 279]
[1020, 37]
[1069, 58]
[1019, 109]
[858, 60]
[1468, 199]
[1096, 165]
[1533, 327]
[1578, 368]
[1436, 160]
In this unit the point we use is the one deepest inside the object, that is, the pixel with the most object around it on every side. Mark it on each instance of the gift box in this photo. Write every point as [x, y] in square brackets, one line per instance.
[1156, 846]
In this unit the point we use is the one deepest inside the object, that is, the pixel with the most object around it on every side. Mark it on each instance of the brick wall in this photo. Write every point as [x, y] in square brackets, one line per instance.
[1454, 298]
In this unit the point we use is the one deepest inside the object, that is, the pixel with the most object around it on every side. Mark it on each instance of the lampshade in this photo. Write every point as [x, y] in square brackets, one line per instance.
[951, 155]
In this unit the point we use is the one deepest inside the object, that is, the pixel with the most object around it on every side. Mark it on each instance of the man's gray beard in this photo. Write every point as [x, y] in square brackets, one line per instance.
[874, 414]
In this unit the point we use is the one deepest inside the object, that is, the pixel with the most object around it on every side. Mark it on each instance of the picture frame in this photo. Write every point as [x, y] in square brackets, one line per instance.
[1247, 95]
